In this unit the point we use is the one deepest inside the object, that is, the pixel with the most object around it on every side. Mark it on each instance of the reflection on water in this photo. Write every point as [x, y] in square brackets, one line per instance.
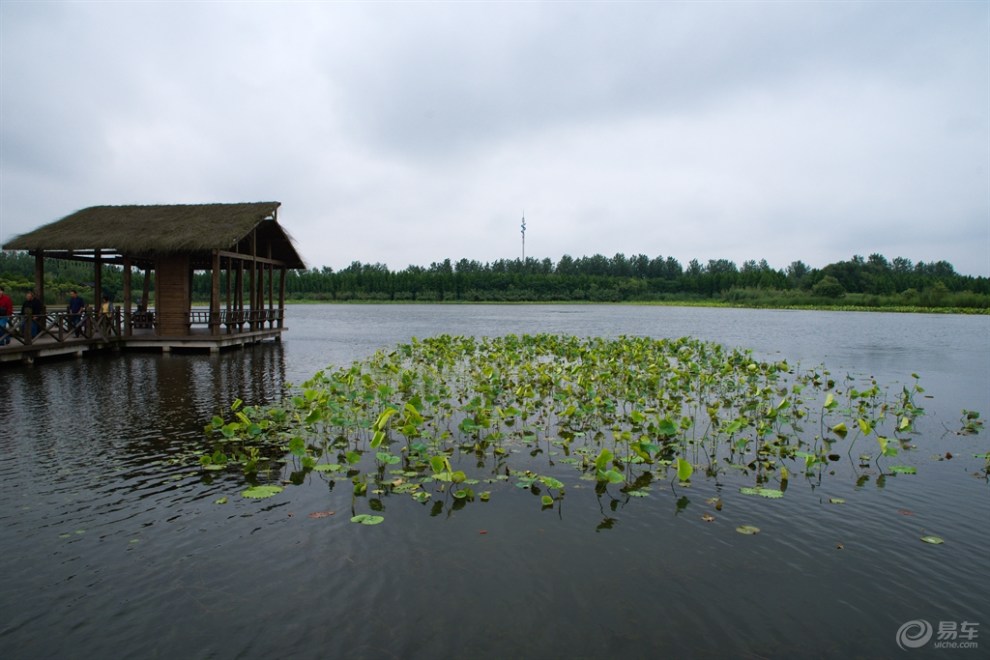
[112, 549]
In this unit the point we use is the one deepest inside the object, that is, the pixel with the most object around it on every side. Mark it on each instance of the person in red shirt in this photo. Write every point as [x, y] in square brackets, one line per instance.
[6, 309]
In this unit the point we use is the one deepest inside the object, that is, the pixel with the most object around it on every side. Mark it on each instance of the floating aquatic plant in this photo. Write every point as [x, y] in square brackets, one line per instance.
[431, 419]
[262, 492]
[770, 493]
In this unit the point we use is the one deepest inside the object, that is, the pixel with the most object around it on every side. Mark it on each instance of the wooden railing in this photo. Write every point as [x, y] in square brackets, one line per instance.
[62, 327]
[238, 320]
[59, 327]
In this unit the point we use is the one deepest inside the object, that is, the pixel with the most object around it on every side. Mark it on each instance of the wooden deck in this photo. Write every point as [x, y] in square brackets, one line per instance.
[56, 335]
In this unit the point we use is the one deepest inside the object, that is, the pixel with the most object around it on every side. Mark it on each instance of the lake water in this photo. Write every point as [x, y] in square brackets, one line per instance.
[113, 548]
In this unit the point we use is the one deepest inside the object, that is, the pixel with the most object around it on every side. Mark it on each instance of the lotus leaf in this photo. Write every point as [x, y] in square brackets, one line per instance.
[262, 492]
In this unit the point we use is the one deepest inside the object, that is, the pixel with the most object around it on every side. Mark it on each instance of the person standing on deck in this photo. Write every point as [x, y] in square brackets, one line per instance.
[30, 310]
[6, 309]
[76, 307]
[106, 309]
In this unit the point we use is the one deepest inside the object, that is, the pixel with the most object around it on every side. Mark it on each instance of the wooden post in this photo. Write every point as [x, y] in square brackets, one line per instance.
[215, 295]
[189, 299]
[97, 279]
[127, 297]
[158, 295]
[239, 295]
[39, 279]
[271, 288]
[252, 285]
[146, 293]
[259, 296]
[229, 307]
[281, 301]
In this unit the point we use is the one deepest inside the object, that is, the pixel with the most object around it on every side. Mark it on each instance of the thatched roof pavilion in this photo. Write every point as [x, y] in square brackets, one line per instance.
[174, 241]
[194, 229]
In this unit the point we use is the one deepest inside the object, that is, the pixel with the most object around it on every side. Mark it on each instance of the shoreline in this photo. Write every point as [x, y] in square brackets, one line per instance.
[898, 309]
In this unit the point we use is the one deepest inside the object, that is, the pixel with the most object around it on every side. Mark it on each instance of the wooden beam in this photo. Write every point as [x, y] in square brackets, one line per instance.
[248, 257]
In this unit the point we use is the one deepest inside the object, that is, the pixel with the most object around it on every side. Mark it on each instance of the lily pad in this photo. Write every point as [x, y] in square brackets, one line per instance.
[836, 500]
[934, 540]
[903, 469]
[367, 519]
[771, 493]
[748, 530]
[716, 502]
[261, 492]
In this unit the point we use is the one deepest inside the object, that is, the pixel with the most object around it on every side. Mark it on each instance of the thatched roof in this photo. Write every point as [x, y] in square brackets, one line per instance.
[158, 229]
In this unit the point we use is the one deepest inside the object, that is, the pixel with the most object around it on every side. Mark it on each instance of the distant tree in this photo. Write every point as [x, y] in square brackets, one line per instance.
[902, 265]
[619, 266]
[878, 261]
[720, 267]
[566, 265]
[797, 274]
[828, 287]
[640, 266]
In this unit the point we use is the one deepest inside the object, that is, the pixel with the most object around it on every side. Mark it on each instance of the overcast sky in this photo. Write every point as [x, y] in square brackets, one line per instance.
[407, 133]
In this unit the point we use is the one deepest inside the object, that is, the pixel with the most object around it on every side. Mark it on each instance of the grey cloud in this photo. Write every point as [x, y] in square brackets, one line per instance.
[412, 132]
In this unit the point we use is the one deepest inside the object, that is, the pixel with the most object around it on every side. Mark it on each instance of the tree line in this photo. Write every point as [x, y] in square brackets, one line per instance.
[871, 281]
[868, 281]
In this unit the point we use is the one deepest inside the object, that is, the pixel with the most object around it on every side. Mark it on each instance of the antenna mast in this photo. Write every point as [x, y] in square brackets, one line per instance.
[524, 237]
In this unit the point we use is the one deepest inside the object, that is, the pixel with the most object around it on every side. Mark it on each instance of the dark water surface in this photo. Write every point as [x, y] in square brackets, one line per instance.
[112, 549]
